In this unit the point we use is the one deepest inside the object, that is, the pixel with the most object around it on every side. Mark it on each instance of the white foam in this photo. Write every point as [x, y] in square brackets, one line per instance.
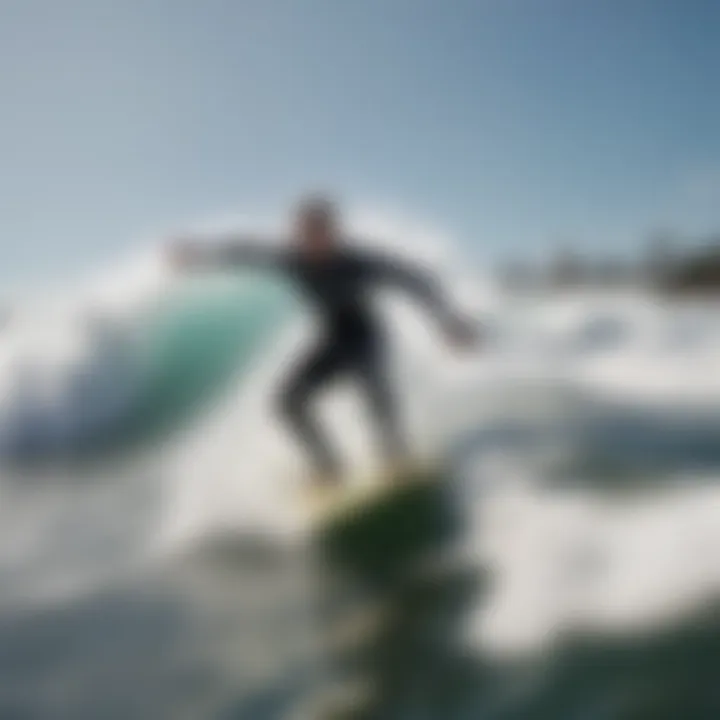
[236, 468]
[584, 562]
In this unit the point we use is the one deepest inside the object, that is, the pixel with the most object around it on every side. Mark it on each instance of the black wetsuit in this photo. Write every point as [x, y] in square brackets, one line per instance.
[352, 342]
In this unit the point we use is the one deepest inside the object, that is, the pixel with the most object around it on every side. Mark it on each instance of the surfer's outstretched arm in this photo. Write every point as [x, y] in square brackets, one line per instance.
[424, 286]
[226, 252]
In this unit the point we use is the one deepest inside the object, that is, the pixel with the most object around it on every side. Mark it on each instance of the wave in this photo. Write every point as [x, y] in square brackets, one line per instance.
[115, 382]
[187, 371]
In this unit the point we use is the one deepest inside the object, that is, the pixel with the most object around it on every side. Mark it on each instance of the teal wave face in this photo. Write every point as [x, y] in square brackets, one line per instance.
[202, 338]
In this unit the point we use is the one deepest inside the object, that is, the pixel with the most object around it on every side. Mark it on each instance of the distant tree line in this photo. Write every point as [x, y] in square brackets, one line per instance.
[669, 265]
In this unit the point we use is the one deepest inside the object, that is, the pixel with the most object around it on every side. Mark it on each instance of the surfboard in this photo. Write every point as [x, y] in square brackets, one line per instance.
[379, 526]
[323, 507]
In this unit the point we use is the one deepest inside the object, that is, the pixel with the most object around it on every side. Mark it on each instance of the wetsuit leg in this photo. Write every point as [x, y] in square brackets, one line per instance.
[320, 366]
[372, 372]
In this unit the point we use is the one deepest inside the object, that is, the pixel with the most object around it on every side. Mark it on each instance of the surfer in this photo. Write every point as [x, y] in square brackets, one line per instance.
[337, 279]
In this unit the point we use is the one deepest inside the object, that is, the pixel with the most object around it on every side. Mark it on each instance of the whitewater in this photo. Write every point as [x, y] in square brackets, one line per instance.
[137, 420]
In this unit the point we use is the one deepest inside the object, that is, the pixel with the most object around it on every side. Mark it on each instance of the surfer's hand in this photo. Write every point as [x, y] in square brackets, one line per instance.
[183, 253]
[463, 335]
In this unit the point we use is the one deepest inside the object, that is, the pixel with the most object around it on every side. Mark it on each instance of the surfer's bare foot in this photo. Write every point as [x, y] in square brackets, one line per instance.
[400, 470]
[323, 484]
[321, 489]
[326, 481]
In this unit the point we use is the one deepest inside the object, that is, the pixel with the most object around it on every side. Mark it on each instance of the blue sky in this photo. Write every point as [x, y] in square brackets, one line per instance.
[513, 124]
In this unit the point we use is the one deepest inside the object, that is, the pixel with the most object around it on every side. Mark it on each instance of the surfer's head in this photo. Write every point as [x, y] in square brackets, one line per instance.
[317, 225]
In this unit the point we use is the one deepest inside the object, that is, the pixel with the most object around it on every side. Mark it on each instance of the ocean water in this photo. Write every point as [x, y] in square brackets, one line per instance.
[153, 562]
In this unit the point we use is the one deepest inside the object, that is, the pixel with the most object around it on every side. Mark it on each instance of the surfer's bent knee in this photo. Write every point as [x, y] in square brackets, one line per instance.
[291, 401]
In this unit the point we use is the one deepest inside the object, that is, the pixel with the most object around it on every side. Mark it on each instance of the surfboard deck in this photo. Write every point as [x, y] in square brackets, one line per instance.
[379, 529]
[322, 507]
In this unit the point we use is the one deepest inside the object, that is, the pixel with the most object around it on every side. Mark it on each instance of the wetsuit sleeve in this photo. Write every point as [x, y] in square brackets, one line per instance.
[416, 281]
[239, 253]
[248, 255]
